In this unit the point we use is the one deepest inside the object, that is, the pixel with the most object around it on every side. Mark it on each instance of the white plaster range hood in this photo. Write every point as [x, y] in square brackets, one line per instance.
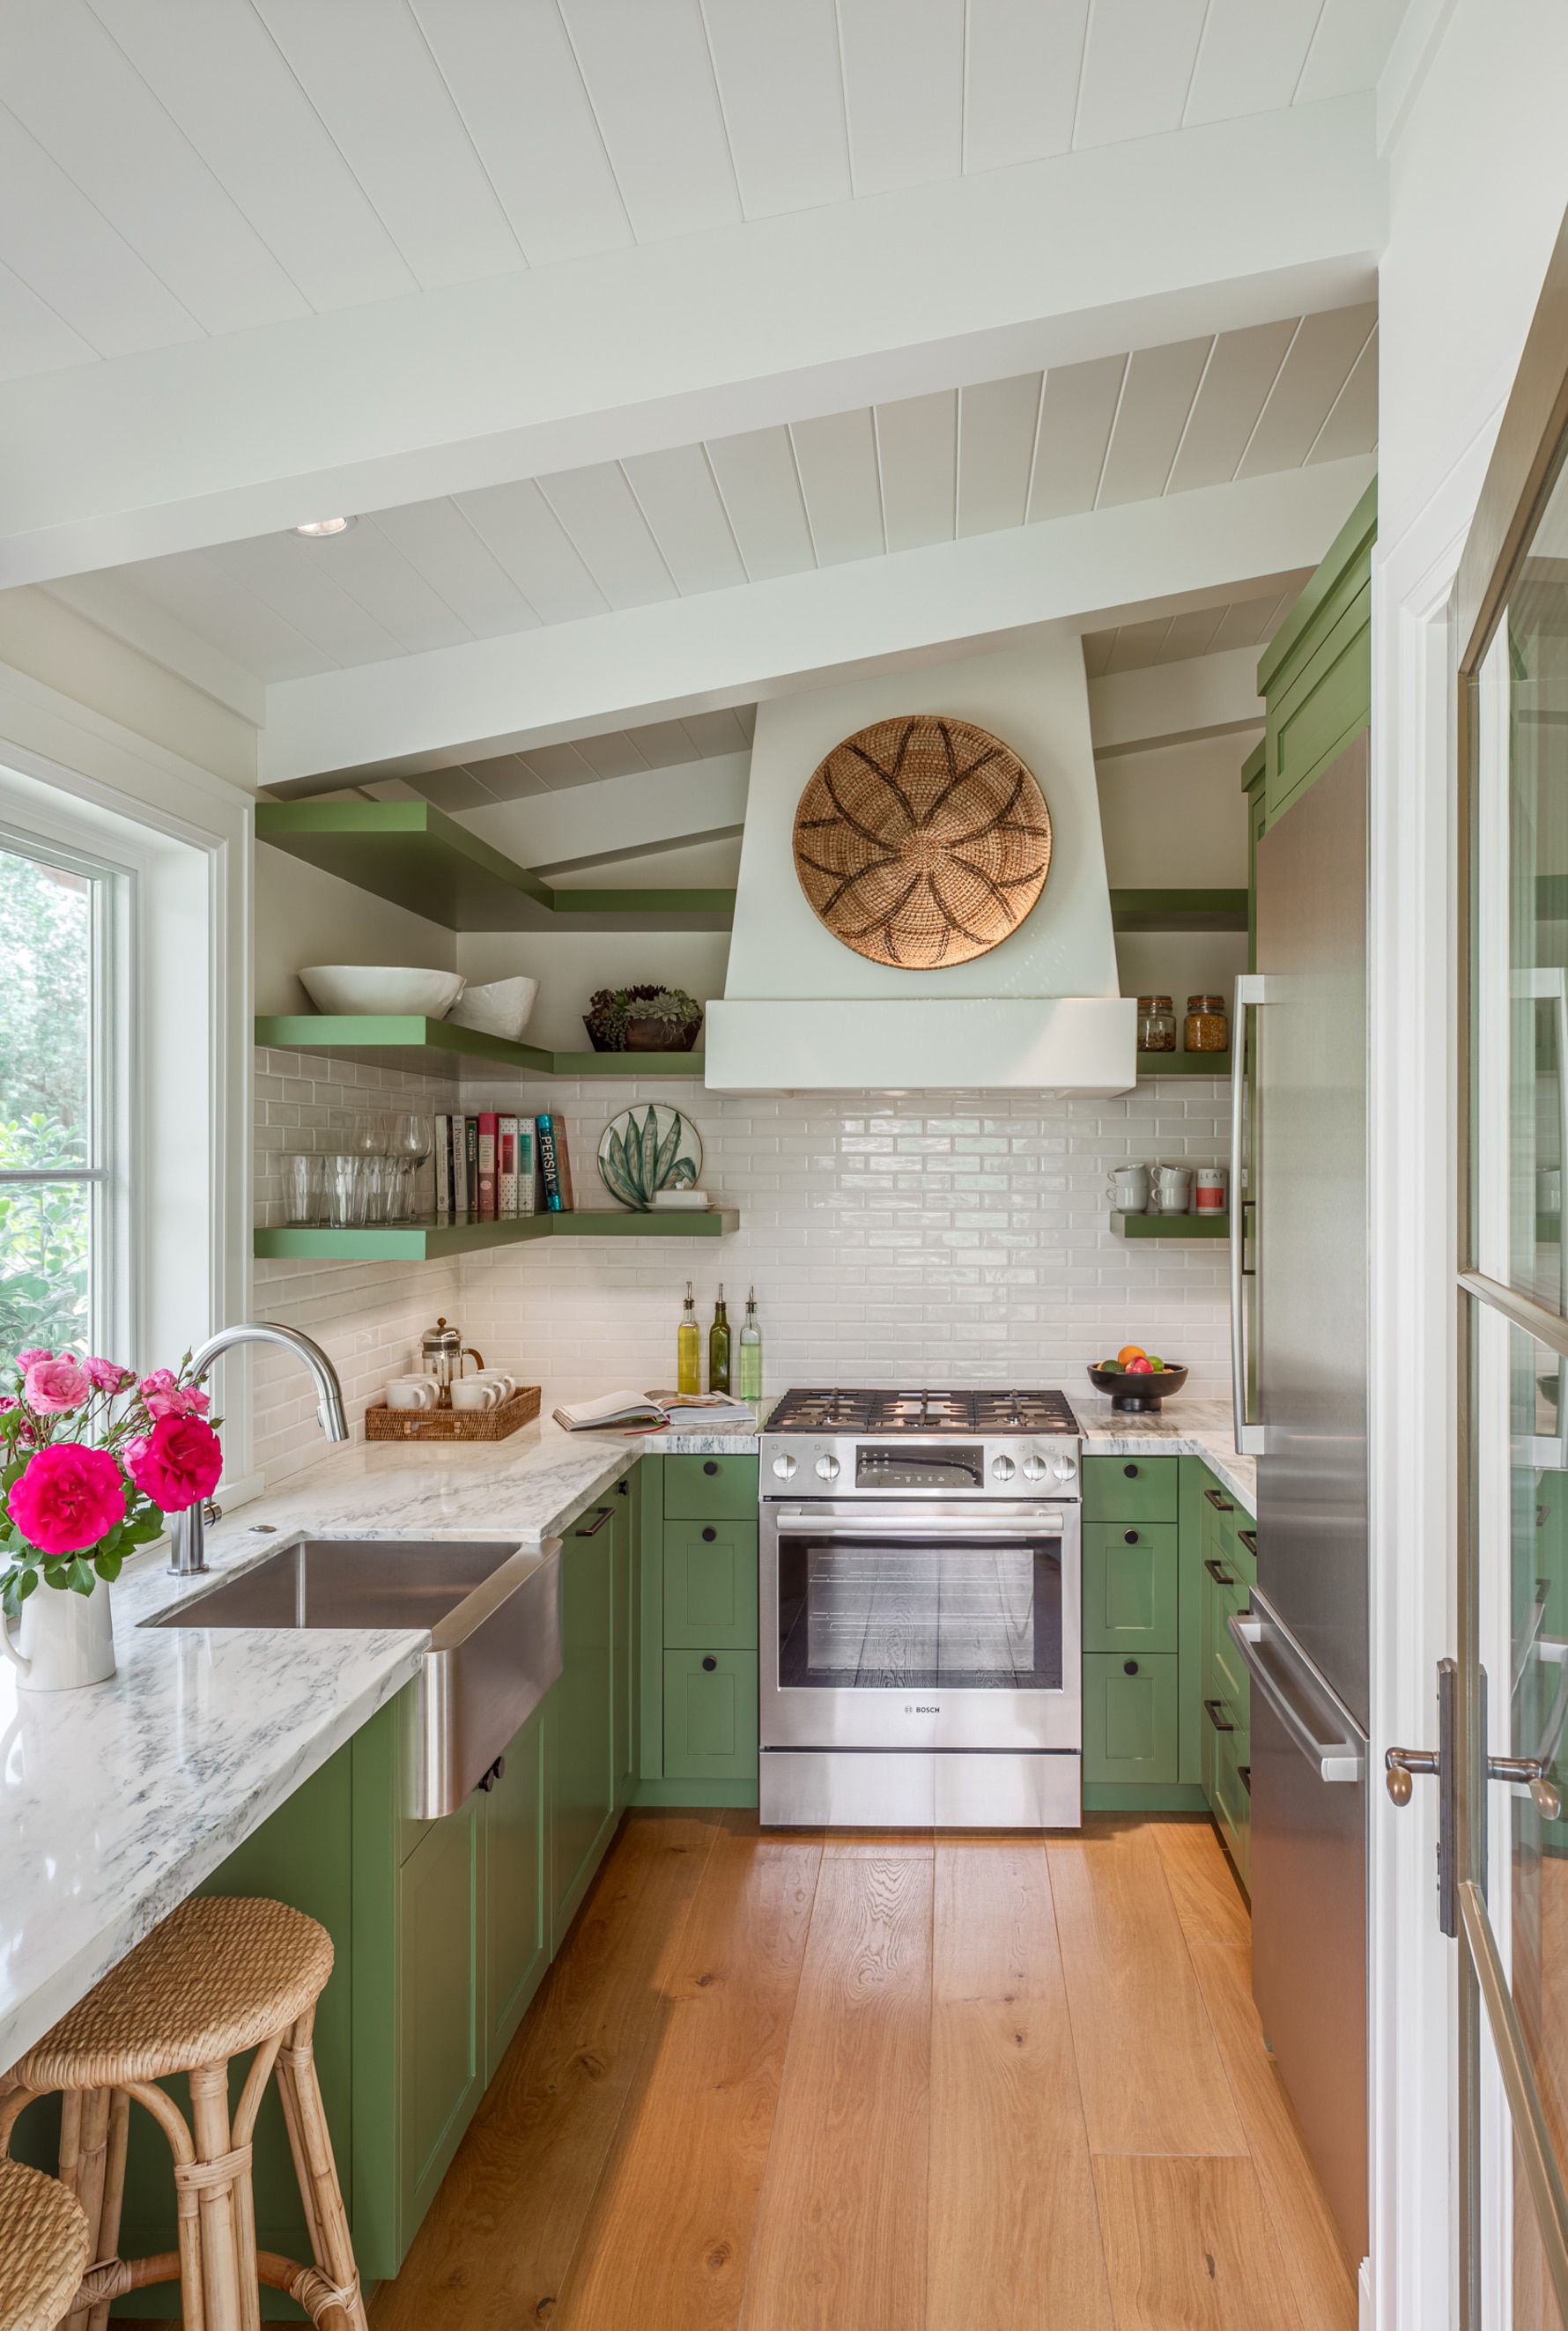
[803, 1012]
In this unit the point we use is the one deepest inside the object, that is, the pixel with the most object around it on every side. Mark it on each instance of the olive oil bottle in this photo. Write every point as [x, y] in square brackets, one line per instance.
[689, 1347]
[719, 1347]
[750, 1350]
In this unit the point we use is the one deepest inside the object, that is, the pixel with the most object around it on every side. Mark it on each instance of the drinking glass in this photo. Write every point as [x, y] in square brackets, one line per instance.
[376, 1188]
[344, 1191]
[304, 1188]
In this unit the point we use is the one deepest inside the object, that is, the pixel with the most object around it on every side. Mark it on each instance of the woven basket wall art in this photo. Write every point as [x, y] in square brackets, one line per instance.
[921, 841]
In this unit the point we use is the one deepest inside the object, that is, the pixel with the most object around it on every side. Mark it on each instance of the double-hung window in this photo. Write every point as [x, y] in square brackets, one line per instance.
[64, 1171]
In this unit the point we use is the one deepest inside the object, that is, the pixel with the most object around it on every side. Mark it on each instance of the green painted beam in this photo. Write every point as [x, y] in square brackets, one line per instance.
[417, 857]
[1183, 1064]
[1179, 910]
[395, 1039]
[1171, 1226]
[427, 1242]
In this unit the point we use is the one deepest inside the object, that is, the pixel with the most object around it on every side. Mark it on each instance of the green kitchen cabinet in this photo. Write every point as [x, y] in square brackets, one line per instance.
[440, 2067]
[517, 1928]
[1314, 676]
[710, 1716]
[1129, 1489]
[1129, 1720]
[624, 1640]
[710, 1489]
[1130, 1575]
[580, 1724]
[711, 1585]
[1229, 1573]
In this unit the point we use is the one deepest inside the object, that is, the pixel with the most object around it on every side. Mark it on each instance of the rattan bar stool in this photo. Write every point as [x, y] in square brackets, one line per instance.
[43, 2247]
[219, 1978]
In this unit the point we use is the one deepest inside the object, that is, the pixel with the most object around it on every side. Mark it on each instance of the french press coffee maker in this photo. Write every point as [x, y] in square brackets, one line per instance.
[443, 1354]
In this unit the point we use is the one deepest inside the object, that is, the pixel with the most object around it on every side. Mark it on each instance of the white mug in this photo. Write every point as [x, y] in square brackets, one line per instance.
[504, 1385]
[413, 1392]
[1175, 1189]
[469, 1395]
[1129, 1189]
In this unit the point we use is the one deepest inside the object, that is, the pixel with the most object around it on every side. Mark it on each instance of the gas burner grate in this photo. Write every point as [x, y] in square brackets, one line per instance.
[811, 1410]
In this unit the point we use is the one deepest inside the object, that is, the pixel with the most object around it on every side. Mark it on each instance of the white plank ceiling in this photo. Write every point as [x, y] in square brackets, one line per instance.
[773, 501]
[175, 169]
[551, 768]
[1240, 622]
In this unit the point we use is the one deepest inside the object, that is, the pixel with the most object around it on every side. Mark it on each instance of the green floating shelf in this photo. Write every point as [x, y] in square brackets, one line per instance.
[1178, 910]
[428, 1241]
[1183, 1064]
[416, 856]
[404, 1041]
[1171, 1226]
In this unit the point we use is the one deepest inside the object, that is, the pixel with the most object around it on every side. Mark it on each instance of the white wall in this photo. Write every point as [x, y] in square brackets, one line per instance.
[305, 915]
[1176, 814]
[1035, 697]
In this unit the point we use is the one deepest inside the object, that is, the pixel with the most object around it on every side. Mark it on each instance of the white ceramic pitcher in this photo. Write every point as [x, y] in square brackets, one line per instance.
[61, 1640]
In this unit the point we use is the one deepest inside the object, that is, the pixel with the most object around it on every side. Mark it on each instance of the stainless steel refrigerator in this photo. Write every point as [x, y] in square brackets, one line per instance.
[1299, 1297]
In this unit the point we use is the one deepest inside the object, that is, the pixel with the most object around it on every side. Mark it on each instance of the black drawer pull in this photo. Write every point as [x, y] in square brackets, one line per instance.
[709, 1536]
[598, 1522]
[709, 1663]
[1250, 1540]
[1129, 1667]
[1220, 1723]
[710, 1465]
[1221, 1503]
[1131, 1537]
[1244, 1774]
[1131, 1471]
[1221, 1577]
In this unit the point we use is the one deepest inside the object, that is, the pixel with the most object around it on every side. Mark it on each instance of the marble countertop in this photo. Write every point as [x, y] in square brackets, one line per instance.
[116, 1802]
[1189, 1427]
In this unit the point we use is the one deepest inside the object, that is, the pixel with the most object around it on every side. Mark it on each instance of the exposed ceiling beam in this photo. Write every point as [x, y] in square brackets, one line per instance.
[1090, 253]
[654, 809]
[1165, 703]
[763, 639]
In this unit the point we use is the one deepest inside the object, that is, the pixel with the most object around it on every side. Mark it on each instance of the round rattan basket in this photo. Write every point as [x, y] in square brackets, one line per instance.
[921, 841]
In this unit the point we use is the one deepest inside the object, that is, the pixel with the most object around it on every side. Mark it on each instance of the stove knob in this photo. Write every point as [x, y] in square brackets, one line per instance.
[1034, 1467]
[827, 1468]
[1065, 1469]
[784, 1467]
[1002, 1468]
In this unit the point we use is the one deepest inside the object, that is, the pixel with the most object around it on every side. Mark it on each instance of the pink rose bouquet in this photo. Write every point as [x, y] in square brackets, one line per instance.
[92, 1459]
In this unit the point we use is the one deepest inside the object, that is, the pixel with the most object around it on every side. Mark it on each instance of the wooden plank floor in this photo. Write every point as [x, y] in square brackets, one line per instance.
[789, 2082]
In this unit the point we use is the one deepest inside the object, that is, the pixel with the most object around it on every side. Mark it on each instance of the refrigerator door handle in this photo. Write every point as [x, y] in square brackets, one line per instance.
[1251, 989]
[1340, 1759]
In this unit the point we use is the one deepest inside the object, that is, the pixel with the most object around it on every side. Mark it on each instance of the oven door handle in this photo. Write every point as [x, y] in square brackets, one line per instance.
[1049, 1522]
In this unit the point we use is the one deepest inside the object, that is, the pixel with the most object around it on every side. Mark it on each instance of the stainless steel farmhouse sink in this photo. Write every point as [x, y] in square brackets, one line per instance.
[493, 1609]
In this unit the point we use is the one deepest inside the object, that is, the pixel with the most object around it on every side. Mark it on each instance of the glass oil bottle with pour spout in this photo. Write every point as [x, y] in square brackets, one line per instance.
[689, 1347]
[719, 1347]
[750, 1350]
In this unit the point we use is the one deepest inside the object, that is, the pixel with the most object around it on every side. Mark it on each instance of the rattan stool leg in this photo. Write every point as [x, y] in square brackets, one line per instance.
[312, 2145]
[108, 2244]
[84, 2169]
[213, 2175]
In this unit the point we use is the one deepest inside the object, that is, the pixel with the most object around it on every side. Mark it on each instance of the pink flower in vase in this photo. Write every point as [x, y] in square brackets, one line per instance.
[183, 1400]
[177, 1464]
[53, 1387]
[34, 1352]
[69, 1498]
[107, 1375]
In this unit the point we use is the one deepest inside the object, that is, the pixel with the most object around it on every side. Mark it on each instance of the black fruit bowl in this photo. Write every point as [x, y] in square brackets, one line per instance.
[1138, 1393]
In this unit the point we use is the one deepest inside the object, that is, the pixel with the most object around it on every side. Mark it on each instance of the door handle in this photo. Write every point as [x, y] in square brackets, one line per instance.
[1212, 1708]
[1219, 1501]
[1221, 1577]
[1251, 990]
[1400, 1769]
[1250, 1540]
[1336, 1760]
[597, 1524]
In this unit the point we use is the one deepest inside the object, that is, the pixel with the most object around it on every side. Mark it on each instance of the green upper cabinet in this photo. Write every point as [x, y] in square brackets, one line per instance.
[1314, 676]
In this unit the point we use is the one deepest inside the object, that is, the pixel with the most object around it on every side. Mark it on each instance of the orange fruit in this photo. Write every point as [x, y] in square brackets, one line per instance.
[1131, 1352]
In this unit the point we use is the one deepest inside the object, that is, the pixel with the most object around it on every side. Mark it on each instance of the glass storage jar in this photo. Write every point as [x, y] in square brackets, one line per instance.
[1207, 1028]
[1157, 1024]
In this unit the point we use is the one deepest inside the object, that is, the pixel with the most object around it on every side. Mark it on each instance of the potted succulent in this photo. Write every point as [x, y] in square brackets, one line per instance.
[92, 1459]
[643, 1020]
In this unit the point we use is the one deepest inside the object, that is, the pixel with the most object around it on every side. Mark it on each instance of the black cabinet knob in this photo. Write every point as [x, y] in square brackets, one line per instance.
[1129, 1667]
[710, 1663]
[709, 1466]
[1132, 1537]
[709, 1536]
[1131, 1471]
[496, 1773]
[624, 1489]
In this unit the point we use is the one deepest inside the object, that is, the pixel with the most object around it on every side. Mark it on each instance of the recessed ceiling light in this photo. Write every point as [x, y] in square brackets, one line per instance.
[314, 528]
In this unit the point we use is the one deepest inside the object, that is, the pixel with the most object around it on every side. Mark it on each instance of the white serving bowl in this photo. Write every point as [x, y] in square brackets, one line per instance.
[381, 987]
[500, 1008]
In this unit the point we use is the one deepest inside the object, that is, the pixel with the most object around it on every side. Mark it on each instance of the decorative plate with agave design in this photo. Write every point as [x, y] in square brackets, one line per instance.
[647, 1148]
[922, 841]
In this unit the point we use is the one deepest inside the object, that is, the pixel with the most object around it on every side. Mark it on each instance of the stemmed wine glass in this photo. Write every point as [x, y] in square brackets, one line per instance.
[410, 1140]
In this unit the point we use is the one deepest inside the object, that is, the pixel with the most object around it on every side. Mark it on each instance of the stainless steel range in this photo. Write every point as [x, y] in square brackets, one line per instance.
[921, 1594]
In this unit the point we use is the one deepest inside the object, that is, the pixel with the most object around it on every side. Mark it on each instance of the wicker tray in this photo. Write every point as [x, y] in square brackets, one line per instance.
[383, 1423]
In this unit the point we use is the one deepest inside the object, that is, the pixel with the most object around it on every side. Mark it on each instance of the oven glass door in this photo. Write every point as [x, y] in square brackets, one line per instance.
[912, 1629]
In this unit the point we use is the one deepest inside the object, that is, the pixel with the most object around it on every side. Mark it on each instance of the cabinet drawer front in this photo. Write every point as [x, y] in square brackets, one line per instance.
[1227, 1669]
[440, 2056]
[1129, 1586]
[1129, 1489]
[1232, 1806]
[1129, 1720]
[698, 1488]
[711, 1585]
[710, 1716]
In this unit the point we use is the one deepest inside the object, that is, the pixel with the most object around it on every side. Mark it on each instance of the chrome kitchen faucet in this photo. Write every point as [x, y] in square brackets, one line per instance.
[188, 1530]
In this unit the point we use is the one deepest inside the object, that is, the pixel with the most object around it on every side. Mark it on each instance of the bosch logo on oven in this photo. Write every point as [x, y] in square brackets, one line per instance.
[922, 1707]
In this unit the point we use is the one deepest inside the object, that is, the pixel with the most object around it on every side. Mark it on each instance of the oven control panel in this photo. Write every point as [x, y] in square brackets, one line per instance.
[940, 1466]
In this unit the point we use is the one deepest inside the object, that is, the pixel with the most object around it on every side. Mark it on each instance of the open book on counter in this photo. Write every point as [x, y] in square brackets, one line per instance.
[655, 1412]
